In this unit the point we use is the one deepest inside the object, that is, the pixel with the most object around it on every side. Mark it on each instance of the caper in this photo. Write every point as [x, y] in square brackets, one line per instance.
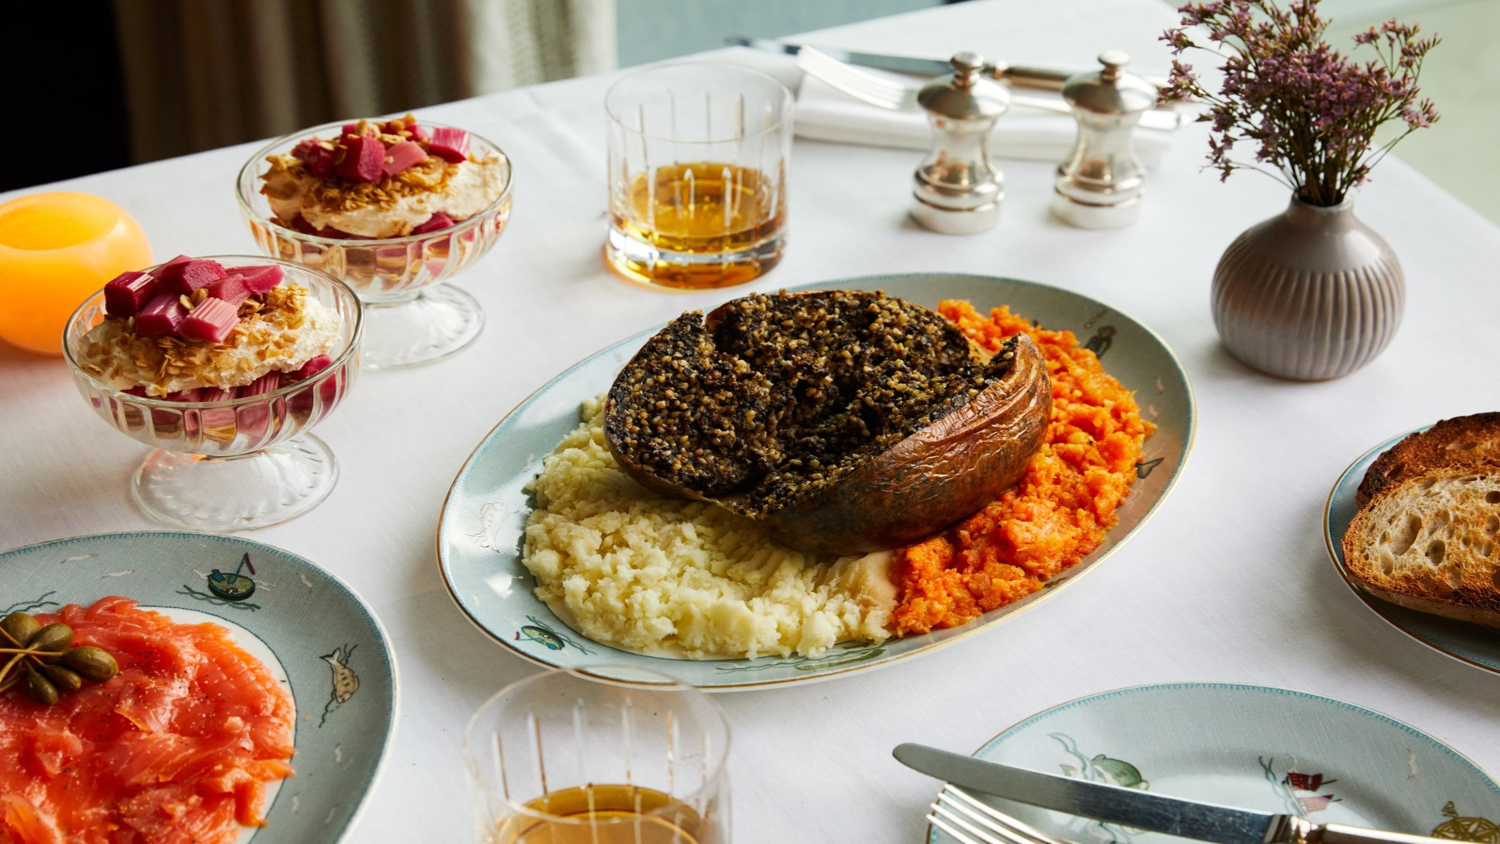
[20, 627]
[93, 663]
[62, 678]
[54, 637]
[41, 689]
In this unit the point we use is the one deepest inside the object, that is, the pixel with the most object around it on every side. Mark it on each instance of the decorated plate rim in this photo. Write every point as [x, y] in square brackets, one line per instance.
[864, 282]
[382, 759]
[1220, 685]
[1336, 556]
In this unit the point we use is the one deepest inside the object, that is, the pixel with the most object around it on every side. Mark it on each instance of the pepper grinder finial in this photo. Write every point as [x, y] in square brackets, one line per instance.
[957, 189]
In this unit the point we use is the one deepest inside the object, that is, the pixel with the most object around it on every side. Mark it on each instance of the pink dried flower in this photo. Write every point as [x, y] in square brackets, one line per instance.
[1310, 112]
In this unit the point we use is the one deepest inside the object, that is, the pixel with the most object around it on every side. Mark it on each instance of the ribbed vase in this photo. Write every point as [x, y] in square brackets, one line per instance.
[1309, 294]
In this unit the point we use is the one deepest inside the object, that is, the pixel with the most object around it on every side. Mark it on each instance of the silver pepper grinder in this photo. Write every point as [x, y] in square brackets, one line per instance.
[1100, 183]
[958, 190]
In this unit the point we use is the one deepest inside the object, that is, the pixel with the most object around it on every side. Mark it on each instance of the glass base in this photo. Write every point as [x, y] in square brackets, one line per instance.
[251, 491]
[437, 323]
[660, 268]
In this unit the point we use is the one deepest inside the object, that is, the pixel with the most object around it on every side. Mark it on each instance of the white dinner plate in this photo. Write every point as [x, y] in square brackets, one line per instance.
[486, 510]
[1252, 747]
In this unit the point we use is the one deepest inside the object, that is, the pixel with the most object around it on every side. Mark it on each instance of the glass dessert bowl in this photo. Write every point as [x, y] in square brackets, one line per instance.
[227, 456]
[369, 204]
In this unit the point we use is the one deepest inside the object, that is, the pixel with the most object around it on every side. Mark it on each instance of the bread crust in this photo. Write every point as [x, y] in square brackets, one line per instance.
[1463, 441]
[1431, 542]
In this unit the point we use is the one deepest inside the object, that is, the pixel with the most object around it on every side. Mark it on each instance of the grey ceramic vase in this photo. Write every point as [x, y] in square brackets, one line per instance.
[1309, 294]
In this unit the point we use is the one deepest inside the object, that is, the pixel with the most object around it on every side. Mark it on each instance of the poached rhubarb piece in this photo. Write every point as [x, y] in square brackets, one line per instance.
[311, 368]
[403, 156]
[162, 315]
[125, 295]
[433, 223]
[231, 288]
[211, 321]
[260, 279]
[268, 383]
[364, 159]
[183, 277]
[318, 158]
[451, 145]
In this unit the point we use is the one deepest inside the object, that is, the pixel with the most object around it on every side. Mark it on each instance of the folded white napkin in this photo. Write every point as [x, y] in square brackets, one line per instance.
[825, 113]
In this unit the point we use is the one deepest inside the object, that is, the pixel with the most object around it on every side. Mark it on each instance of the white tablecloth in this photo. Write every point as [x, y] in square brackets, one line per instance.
[1229, 582]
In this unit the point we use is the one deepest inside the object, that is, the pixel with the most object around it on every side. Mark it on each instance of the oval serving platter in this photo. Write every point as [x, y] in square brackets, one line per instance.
[1255, 747]
[312, 632]
[1468, 643]
[485, 514]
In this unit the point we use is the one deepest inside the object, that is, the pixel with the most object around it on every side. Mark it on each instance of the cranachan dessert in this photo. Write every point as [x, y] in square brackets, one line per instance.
[724, 499]
[379, 180]
[194, 330]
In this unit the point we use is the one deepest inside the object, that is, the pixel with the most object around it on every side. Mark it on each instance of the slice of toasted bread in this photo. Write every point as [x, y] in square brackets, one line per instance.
[1432, 543]
[1461, 441]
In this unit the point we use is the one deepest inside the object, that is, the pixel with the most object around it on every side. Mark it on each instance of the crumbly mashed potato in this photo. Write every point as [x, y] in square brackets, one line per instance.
[655, 574]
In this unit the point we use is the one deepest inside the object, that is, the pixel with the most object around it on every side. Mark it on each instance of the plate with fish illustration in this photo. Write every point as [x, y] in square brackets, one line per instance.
[1471, 644]
[1253, 747]
[484, 518]
[316, 639]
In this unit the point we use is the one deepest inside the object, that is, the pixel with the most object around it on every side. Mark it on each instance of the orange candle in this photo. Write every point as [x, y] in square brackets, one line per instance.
[57, 249]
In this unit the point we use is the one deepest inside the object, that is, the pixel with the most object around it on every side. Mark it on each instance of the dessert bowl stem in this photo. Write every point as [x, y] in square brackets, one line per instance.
[242, 492]
[433, 324]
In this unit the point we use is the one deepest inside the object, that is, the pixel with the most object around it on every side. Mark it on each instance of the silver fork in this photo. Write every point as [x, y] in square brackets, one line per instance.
[885, 93]
[969, 821]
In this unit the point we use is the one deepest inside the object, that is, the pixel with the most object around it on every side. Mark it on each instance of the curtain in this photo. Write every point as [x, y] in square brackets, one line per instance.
[201, 74]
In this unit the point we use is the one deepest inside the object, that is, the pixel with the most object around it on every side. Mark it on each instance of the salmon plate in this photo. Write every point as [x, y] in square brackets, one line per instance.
[178, 747]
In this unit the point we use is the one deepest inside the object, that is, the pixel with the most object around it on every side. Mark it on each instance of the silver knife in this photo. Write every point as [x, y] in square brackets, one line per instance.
[1040, 78]
[1134, 808]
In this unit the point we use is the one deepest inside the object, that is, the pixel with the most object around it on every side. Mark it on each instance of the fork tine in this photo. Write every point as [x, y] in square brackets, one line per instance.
[972, 820]
[999, 822]
[943, 818]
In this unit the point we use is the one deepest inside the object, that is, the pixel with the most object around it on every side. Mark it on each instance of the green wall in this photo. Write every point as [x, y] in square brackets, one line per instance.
[652, 30]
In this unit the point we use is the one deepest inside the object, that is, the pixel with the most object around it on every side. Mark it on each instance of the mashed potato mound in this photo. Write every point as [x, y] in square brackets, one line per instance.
[649, 573]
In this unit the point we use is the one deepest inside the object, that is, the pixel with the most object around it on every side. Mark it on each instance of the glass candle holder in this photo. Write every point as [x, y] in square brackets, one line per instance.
[698, 156]
[559, 758]
[411, 317]
[55, 249]
[241, 463]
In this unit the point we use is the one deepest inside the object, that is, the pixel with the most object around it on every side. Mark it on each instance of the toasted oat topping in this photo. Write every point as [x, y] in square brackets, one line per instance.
[434, 175]
[282, 330]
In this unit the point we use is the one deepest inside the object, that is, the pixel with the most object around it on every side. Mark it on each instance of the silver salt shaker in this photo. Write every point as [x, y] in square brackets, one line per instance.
[1099, 185]
[957, 190]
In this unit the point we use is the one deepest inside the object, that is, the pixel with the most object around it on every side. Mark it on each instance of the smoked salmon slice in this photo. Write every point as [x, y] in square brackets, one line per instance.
[177, 748]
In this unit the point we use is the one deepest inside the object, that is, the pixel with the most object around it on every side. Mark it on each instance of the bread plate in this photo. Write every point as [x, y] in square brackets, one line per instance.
[484, 516]
[1472, 644]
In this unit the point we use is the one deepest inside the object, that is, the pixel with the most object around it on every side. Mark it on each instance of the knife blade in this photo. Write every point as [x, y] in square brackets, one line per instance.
[1017, 76]
[900, 64]
[1134, 808]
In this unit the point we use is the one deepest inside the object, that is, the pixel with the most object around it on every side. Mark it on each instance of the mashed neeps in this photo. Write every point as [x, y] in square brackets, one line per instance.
[1060, 510]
